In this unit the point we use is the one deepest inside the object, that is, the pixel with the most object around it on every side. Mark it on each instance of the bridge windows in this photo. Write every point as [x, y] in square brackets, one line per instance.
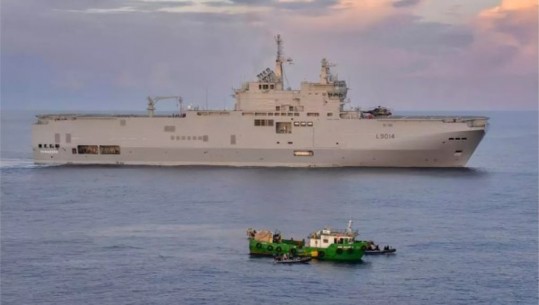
[266, 86]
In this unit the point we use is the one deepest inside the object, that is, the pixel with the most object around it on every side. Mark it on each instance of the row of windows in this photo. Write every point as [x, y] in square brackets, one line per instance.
[266, 87]
[303, 123]
[457, 139]
[263, 122]
[271, 113]
[312, 114]
[95, 149]
[48, 145]
[190, 138]
[290, 108]
[213, 113]
[335, 94]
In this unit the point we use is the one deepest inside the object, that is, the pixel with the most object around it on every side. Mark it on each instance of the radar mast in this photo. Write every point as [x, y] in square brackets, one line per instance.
[279, 73]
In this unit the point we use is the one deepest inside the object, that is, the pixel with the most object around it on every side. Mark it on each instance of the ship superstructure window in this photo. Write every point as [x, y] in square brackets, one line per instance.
[39, 145]
[303, 123]
[283, 127]
[313, 114]
[74, 151]
[330, 113]
[109, 149]
[170, 128]
[87, 149]
[263, 122]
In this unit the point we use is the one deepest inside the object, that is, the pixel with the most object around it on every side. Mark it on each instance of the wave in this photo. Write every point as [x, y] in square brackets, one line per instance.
[19, 163]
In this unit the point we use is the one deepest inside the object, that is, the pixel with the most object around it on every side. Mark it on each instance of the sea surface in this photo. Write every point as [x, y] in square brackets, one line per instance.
[176, 235]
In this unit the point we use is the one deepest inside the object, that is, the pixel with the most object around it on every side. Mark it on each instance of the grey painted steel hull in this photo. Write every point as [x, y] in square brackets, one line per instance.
[232, 140]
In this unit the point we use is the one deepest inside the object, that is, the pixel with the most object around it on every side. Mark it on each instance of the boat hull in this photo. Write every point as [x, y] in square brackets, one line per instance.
[338, 252]
[335, 252]
[261, 248]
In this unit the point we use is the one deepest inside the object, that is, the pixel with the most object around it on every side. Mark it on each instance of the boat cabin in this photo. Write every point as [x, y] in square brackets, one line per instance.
[326, 237]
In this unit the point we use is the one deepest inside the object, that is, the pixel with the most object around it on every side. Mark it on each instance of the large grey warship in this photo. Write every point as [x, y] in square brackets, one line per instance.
[269, 126]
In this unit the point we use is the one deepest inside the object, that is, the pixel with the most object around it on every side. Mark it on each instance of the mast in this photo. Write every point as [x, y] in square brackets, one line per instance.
[279, 72]
[279, 60]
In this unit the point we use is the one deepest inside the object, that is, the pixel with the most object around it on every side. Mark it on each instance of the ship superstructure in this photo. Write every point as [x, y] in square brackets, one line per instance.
[269, 126]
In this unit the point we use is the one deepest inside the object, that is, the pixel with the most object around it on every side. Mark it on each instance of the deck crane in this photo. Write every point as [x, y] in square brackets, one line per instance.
[152, 101]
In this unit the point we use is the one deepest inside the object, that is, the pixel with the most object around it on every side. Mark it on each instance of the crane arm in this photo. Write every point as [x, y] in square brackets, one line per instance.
[152, 101]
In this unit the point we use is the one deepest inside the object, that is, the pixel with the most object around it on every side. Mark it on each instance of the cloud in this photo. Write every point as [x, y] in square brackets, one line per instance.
[113, 53]
[416, 35]
[508, 36]
[405, 3]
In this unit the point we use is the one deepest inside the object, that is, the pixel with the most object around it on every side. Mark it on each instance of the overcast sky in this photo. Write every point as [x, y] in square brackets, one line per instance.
[404, 54]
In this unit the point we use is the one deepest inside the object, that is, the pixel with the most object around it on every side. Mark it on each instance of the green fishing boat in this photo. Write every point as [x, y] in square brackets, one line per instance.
[326, 244]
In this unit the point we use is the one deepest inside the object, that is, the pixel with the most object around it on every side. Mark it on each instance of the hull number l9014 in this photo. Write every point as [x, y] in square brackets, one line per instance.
[385, 136]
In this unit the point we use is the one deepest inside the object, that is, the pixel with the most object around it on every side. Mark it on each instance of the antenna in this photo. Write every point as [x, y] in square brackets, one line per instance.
[279, 73]
[206, 97]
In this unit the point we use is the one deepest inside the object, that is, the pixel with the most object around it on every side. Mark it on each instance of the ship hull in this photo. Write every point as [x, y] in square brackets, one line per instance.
[235, 142]
[351, 253]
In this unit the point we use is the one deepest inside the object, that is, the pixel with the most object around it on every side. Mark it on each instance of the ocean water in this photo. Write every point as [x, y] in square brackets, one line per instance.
[158, 235]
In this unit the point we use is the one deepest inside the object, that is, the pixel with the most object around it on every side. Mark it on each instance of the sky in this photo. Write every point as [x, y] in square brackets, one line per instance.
[425, 55]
